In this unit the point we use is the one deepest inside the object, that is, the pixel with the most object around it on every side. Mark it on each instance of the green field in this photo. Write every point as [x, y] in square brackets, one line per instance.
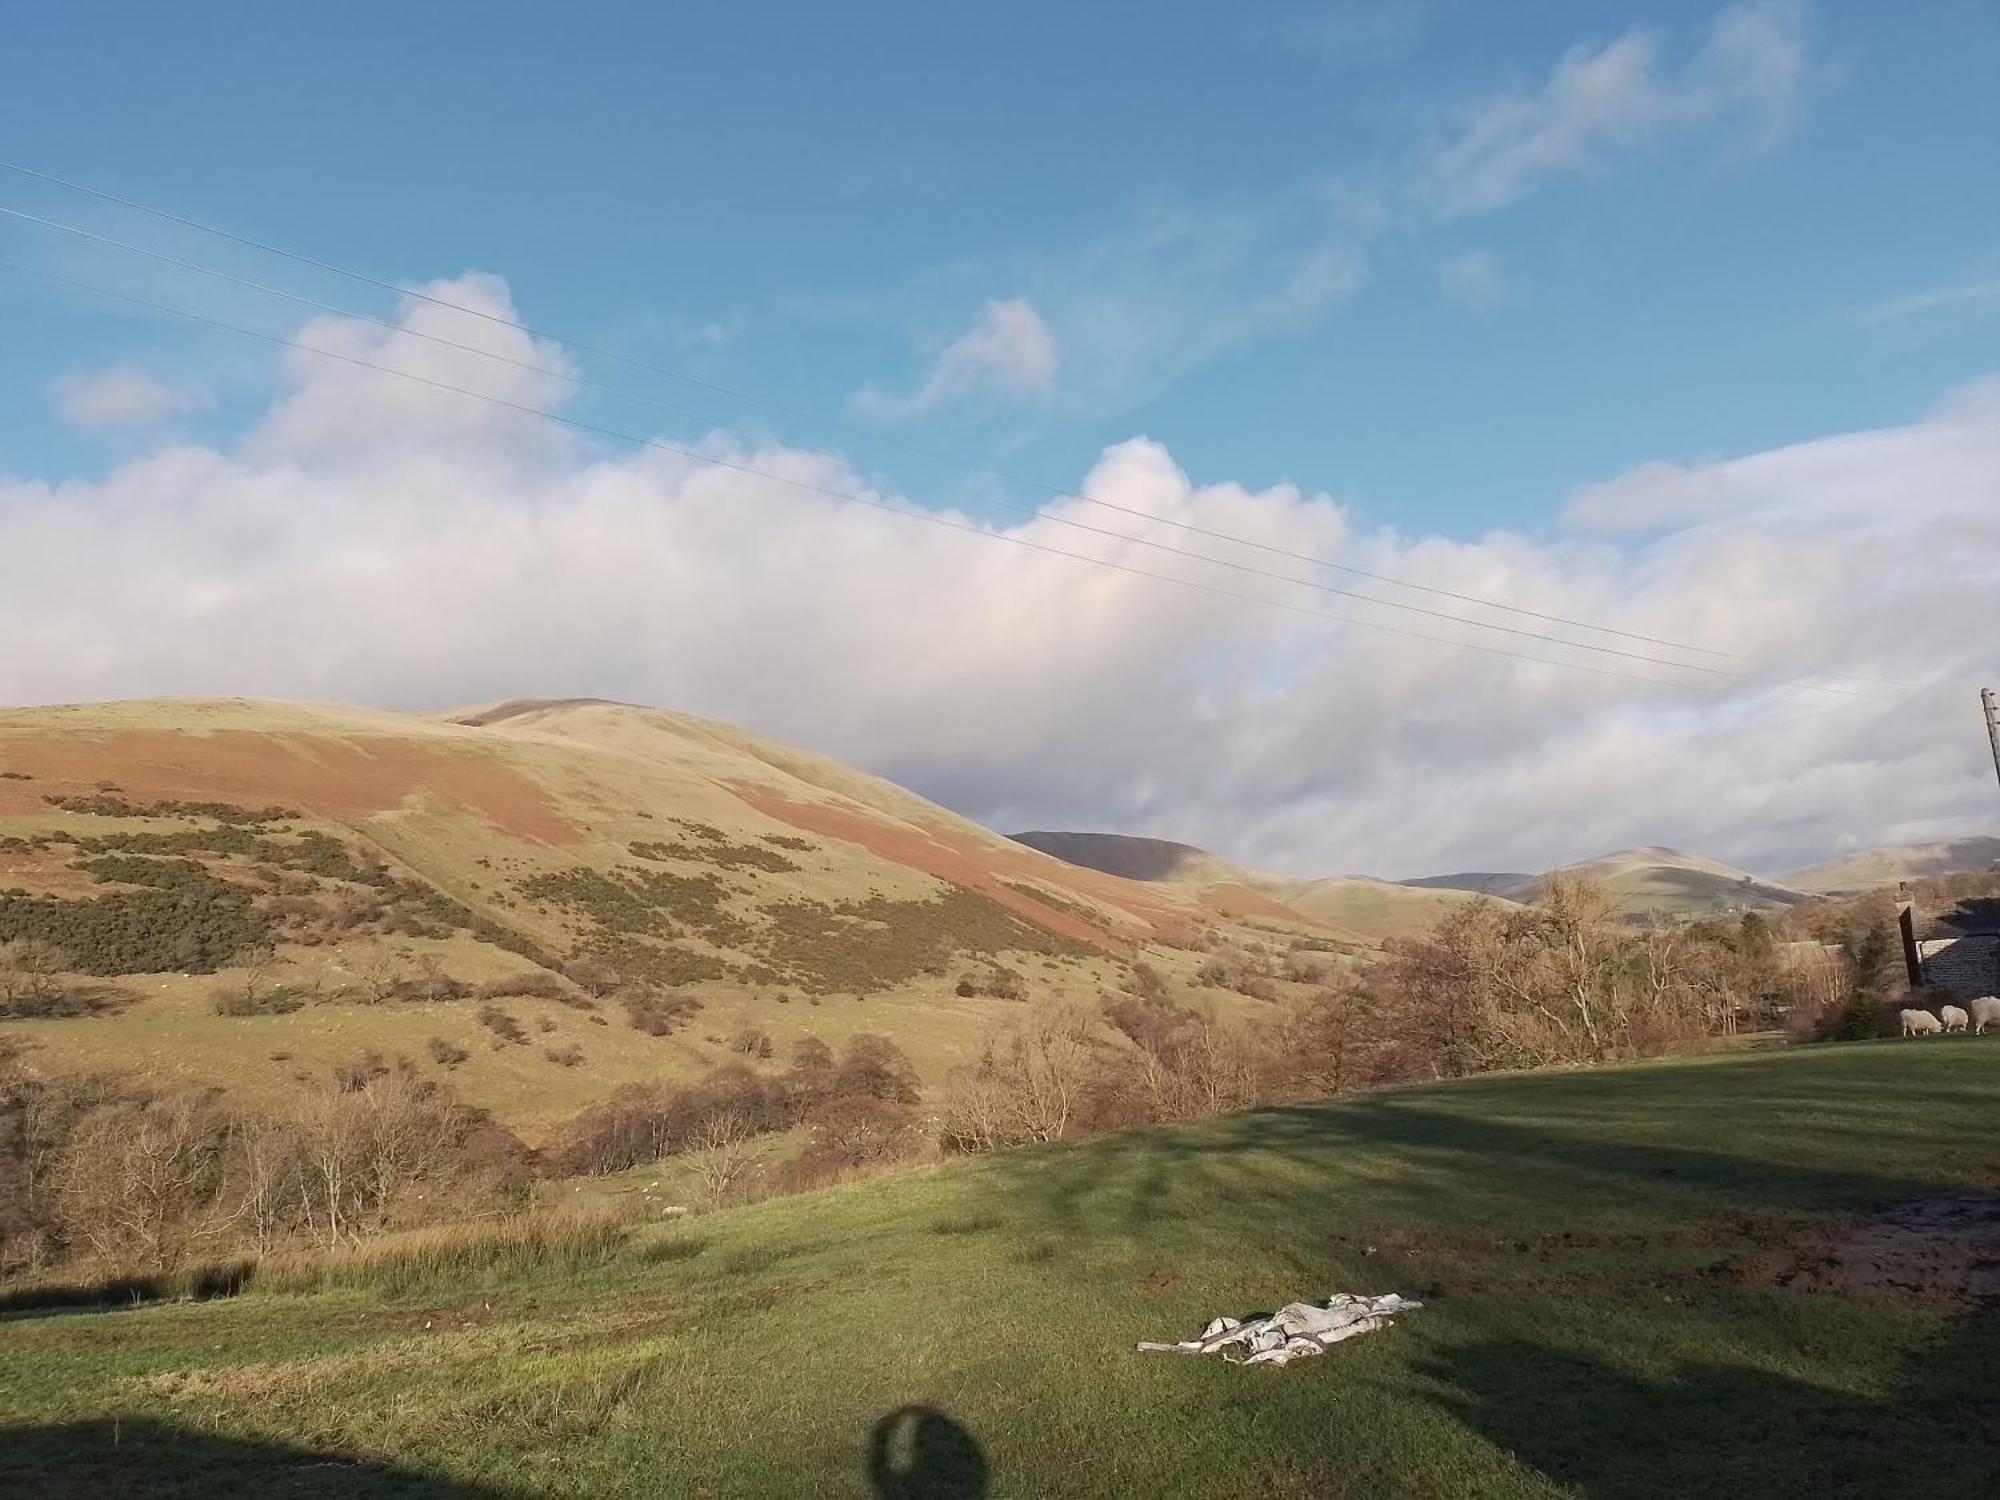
[1627, 1277]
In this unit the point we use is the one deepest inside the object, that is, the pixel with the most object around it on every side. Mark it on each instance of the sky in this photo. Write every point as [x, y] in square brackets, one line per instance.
[1677, 321]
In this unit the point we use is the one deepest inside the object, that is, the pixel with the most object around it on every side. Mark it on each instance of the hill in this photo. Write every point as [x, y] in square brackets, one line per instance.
[1507, 885]
[1750, 1275]
[1378, 909]
[1136, 858]
[420, 880]
[1866, 869]
[1651, 880]
[1657, 881]
[1362, 910]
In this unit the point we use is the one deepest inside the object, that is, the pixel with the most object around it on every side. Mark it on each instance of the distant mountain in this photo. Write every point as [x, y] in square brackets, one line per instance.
[1378, 908]
[1362, 908]
[1865, 869]
[1135, 858]
[1507, 884]
[1651, 880]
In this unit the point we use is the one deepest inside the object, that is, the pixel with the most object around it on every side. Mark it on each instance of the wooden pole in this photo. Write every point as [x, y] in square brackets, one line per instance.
[1991, 703]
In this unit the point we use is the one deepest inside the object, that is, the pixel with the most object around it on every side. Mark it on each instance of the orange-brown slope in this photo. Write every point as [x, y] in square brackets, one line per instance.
[335, 776]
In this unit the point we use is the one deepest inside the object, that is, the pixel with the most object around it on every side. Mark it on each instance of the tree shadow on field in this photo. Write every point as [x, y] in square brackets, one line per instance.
[1559, 1148]
[1732, 1430]
[919, 1453]
[100, 1459]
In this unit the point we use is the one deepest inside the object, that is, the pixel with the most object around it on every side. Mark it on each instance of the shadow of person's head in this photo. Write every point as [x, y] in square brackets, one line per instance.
[919, 1453]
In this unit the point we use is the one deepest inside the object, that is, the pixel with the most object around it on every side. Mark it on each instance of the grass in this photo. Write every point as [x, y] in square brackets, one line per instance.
[1587, 1244]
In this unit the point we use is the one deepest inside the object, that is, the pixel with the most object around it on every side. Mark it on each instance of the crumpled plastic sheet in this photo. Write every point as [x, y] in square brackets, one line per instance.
[1296, 1331]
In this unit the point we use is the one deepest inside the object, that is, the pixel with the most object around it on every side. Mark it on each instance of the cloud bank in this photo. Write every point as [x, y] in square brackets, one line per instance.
[370, 540]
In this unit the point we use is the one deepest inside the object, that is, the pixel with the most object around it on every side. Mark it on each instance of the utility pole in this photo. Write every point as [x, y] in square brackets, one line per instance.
[1989, 701]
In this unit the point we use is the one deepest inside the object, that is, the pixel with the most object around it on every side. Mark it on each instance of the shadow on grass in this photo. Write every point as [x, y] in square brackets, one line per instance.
[1731, 1430]
[95, 1460]
[1555, 1149]
[201, 1284]
[919, 1453]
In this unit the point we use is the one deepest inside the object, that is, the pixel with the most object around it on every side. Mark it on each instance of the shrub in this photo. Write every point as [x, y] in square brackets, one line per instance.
[657, 1012]
[277, 1000]
[503, 1026]
[564, 1057]
[874, 1067]
[446, 1054]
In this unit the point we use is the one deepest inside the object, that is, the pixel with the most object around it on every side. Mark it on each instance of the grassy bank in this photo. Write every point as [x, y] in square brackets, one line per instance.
[1617, 1266]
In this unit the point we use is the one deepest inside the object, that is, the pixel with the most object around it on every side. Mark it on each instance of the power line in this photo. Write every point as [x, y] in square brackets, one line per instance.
[1037, 512]
[848, 496]
[1058, 491]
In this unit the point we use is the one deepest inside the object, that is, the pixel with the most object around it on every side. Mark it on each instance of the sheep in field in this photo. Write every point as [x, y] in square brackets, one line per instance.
[1921, 1023]
[1985, 1013]
[1953, 1018]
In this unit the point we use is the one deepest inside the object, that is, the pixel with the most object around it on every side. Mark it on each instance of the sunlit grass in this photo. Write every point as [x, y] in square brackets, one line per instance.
[1583, 1242]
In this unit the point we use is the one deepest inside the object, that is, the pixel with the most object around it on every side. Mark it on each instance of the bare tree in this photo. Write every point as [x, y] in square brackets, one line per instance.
[721, 1154]
[1028, 1084]
[378, 972]
[30, 974]
[140, 1183]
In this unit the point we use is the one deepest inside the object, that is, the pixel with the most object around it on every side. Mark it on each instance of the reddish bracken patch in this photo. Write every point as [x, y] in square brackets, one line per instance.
[332, 776]
[946, 854]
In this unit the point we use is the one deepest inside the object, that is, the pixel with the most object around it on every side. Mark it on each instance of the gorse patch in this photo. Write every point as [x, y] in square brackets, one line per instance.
[105, 805]
[718, 852]
[183, 918]
[878, 942]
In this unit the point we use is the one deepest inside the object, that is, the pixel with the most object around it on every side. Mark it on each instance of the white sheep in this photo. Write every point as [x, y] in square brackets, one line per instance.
[1919, 1023]
[1953, 1018]
[1985, 1013]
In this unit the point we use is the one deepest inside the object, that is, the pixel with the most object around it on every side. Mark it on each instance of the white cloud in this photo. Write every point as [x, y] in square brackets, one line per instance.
[123, 397]
[1345, 36]
[379, 542]
[1008, 350]
[1964, 297]
[1606, 100]
[1473, 280]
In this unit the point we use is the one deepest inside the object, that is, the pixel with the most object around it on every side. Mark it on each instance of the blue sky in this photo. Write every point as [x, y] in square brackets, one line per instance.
[813, 202]
[1659, 346]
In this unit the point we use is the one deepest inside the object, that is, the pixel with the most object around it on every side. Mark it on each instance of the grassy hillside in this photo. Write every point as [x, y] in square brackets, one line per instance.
[1376, 908]
[1654, 880]
[754, 886]
[1866, 869]
[1650, 881]
[1136, 858]
[1672, 1279]
[1359, 910]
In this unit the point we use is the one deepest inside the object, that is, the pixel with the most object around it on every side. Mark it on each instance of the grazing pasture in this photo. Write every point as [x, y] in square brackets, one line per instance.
[1769, 1273]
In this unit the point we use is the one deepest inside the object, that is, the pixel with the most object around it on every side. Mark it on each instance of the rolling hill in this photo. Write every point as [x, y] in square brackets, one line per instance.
[1648, 881]
[1507, 885]
[1865, 869]
[1136, 858]
[1651, 880]
[1364, 910]
[419, 880]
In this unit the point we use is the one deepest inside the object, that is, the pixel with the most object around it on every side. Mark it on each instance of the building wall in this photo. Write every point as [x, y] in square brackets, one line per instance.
[1966, 966]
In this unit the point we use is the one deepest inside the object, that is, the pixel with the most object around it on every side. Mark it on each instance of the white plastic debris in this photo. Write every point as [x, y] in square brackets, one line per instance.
[1295, 1331]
